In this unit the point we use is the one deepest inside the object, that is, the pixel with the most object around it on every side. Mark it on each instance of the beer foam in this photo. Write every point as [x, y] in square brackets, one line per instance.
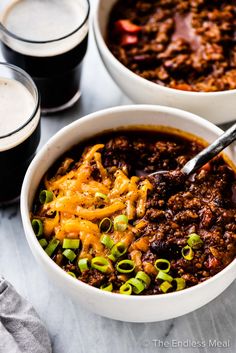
[44, 20]
[16, 108]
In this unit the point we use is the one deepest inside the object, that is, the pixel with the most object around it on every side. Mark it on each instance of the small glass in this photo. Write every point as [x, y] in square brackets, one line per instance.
[19, 129]
[54, 63]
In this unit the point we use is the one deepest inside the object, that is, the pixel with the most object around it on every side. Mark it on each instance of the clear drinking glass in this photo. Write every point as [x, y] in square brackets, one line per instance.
[19, 129]
[47, 39]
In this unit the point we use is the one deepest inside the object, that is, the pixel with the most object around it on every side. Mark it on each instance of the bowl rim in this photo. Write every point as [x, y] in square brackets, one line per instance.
[101, 44]
[34, 243]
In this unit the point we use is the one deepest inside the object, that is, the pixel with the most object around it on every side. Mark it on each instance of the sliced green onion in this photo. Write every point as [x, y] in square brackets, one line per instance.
[187, 253]
[143, 277]
[69, 254]
[164, 276]
[179, 283]
[118, 250]
[137, 285]
[194, 241]
[53, 244]
[107, 241]
[112, 258]
[71, 274]
[107, 288]
[45, 196]
[71, 243]
[165, 287]
[121, 223]
[37, 226]
[43, 242]
[105, 225]
[83, 265]
[100, 263]
[125, 266]
[126, 288]
[99, 195]
[162, 265]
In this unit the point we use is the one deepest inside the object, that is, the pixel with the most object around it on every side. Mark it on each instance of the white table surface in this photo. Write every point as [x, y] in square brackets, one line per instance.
[72, 328]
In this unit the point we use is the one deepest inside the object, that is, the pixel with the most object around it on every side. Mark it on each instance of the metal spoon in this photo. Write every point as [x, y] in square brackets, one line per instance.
[208, 153]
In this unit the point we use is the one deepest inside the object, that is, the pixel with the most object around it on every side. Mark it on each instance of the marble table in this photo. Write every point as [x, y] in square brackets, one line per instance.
[72, 328]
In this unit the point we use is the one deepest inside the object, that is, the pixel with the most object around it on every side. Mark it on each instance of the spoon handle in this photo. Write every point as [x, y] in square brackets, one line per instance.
[211, 151]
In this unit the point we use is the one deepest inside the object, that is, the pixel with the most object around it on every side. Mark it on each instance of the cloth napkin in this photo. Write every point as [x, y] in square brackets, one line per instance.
[21, 330]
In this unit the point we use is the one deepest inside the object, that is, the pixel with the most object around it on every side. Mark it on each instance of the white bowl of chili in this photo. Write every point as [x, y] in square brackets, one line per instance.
[133, 308]
[218, 107]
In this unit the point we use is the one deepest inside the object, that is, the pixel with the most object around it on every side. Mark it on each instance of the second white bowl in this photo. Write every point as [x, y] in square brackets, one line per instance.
[218, 107]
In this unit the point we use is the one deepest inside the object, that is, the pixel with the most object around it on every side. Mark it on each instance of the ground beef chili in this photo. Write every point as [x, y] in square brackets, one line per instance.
[176, 209]
[183, 44]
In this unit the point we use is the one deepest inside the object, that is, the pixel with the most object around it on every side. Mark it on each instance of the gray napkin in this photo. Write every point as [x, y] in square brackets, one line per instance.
[21, 330]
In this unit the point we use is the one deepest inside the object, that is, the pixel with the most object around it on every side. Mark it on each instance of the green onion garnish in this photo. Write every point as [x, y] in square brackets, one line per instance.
[83, 265]
[37, 227]
[179, 283]
[45, 196]
[112, 258]
[71, 274]
[194, 241]
[143, 277]
[100, 263]
[43, 242]
[69, 254]
[125, 266]
[121, 223]
[126, 288]
[107, 288]
[99, 195]
[107, 241]
[187, 253]
[105, 225]
[137, 285]
[165, 287]
[71, 243]
[162, 265]
[164, 276]
[118, 250]
[53, 244]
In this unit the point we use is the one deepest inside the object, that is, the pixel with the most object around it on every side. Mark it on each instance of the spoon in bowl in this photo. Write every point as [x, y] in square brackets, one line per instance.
[207, 153]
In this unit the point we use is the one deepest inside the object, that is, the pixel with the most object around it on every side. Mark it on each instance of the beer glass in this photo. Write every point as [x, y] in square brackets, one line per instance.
[47, 39]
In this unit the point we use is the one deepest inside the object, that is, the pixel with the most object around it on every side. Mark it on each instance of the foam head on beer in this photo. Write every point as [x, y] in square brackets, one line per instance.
[43, 19]
[16, 108]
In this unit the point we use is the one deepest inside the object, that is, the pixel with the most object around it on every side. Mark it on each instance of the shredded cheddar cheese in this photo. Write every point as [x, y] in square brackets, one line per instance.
[78, 211]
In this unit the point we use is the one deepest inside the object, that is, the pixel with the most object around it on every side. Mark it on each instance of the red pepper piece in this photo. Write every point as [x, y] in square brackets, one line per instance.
[207, 167]
[127, 26]
[128, 39]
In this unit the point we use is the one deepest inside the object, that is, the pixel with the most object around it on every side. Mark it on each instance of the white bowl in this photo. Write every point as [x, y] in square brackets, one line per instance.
[116, 306]
[218, 107]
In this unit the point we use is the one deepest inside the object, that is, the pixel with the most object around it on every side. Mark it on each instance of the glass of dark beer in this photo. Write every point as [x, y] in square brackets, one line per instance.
[19, 129]
[48, 39]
